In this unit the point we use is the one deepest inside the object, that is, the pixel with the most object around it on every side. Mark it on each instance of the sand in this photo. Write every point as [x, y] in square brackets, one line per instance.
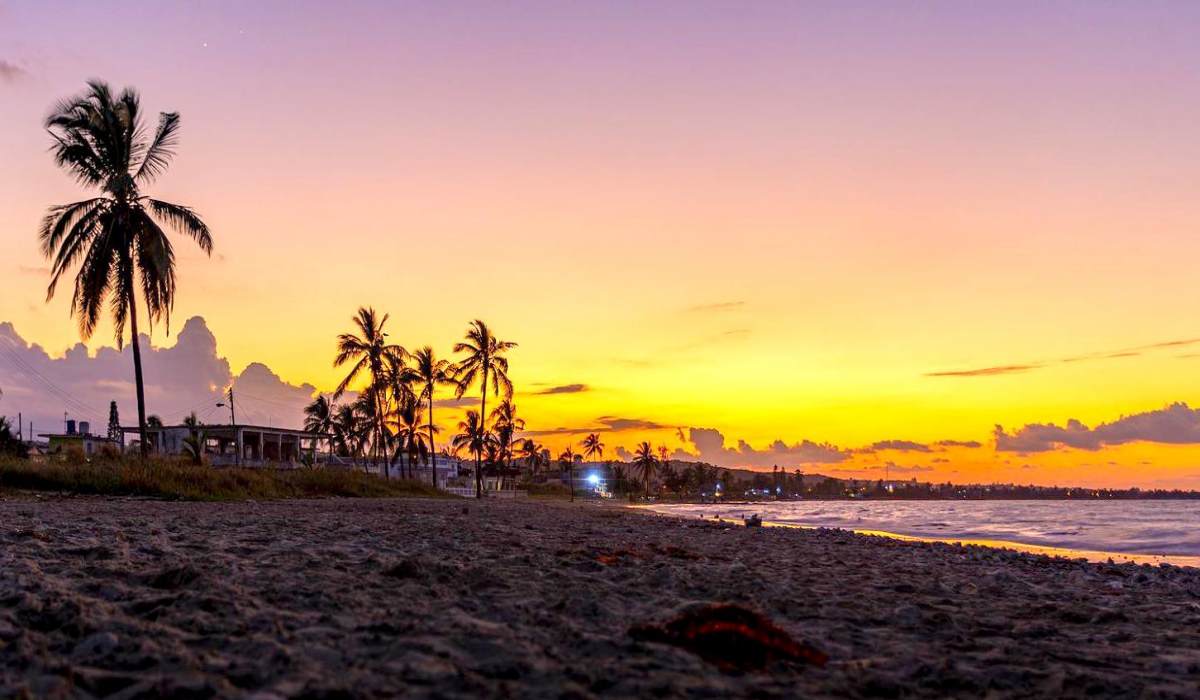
[356, 598]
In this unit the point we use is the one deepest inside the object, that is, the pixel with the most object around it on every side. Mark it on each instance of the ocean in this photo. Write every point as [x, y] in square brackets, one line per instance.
[1132, 530]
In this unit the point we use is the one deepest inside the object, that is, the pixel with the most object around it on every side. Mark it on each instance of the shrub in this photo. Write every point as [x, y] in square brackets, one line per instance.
[174, 479]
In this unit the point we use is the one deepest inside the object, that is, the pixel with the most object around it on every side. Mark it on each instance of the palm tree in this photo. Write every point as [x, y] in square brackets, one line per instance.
[371, 355]
[193, 444]
[645, 461]
[484, 362]
[534, 455]
[116, 238]
[410, 435]
[505, 425]
[347, 431]
[319, 416]
[567, 460]
[428, 373]
[473, 438]
[592, 447]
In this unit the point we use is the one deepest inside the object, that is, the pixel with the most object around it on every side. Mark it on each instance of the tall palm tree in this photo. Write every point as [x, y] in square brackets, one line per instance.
[473, 438]
[567, 460]
[485, 361]
[117, 237]
[645, 461]
[429, 373]
[372, 355]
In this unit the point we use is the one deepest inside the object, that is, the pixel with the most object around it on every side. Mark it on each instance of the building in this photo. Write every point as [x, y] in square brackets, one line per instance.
[80, 439]
[257, 445]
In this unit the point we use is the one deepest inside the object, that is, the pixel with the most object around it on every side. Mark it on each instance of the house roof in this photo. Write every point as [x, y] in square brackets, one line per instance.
[77, 436]
[225, 427]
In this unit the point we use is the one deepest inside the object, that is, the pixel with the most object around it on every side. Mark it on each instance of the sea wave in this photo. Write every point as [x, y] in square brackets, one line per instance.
[1166, 528]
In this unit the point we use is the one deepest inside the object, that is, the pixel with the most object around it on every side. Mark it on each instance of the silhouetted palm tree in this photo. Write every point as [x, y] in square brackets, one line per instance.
[429, 373]
[410, 434]
[567, 460]
[116, 238]
[645, 461]
[193, 444]
[505, 425]
[318, 416]
[348, 432]
[484, 362]
[372, 355]
[534, 455]
[592, 447]
[473, 438]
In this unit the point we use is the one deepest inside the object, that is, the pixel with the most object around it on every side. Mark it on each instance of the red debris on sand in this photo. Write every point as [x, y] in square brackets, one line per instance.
[730, 636]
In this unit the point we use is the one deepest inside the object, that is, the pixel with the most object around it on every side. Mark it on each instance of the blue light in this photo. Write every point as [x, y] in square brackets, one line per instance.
[593, 479]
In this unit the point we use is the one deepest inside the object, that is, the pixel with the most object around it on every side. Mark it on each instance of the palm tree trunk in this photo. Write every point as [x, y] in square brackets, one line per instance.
[137, 376]
[380, 447]
[432, 451]
[482, 422]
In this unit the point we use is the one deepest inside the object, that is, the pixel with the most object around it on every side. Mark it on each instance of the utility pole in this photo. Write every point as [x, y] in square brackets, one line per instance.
[20, 427]
[237, 444]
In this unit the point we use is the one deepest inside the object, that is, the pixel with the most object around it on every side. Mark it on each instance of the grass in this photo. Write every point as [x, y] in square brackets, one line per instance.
[177, 480]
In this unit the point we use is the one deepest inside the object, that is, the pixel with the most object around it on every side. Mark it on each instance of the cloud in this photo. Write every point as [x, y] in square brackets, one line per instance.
[460, 402]
[564, 389]
[985, 371]
[11, 72]
[187, 376]
[1176, 424]
[897, 445]
[616, 424]
[35, 271]
[970, 444]
[893, 468]
[715, 307]
[604, 424]
[1137, 351]
[708, 445]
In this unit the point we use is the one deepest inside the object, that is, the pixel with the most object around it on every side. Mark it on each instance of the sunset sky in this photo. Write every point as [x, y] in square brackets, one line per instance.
[832, 225]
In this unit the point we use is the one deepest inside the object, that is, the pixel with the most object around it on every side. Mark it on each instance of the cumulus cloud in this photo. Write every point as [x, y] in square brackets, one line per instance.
[708, 445]
[1176, 424]
[563, 389]
[187, 376]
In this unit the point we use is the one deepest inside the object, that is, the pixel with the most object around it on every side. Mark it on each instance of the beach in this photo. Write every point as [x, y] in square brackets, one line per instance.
[127, 598]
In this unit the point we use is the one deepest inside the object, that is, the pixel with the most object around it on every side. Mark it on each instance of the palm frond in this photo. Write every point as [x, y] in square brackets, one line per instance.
[158, 154]
[184, 220]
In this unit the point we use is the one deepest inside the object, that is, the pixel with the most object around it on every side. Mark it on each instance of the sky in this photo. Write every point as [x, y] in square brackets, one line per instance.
[949, 241]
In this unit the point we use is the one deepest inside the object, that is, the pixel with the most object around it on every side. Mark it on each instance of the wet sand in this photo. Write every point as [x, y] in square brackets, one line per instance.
[357, 598]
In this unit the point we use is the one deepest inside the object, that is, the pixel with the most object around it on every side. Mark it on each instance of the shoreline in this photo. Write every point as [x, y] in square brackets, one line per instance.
[1094, 556]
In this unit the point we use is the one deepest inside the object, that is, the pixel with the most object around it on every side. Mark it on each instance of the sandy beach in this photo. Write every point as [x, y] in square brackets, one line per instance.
[373, 598]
